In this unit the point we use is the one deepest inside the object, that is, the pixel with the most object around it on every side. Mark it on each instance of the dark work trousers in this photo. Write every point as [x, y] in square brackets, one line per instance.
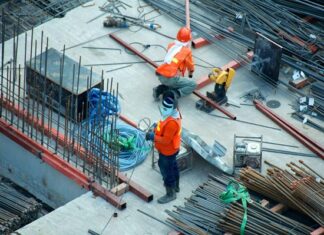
[169, 169]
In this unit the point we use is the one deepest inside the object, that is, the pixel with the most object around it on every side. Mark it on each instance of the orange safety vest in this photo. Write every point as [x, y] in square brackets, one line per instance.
[172, 147]
[180, 62]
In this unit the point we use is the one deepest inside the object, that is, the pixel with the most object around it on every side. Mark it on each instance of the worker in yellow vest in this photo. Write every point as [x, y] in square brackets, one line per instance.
[167, 140]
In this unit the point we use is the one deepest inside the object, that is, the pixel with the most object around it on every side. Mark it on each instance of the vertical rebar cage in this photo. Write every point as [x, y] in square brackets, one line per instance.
[46, 97]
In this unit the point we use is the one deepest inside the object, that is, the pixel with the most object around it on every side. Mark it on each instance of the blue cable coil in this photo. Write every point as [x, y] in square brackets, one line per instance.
[97, 127]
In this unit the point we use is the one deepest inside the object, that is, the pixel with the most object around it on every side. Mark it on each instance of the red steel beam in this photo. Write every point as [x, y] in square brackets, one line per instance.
[155, 65]
[200, 42]
[79, 150]
[59, 164]
[305, 140]
[136, 188]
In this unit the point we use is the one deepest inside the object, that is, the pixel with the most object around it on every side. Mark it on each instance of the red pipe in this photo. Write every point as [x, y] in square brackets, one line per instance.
[148, 60]
[132, 49]
[305, 140]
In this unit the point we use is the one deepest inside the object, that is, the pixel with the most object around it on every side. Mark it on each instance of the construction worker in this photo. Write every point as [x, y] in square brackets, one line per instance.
[176, 62]
[167, 139]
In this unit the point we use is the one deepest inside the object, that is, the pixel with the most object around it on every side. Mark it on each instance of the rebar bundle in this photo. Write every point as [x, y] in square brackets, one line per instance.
[257, 182]
[202, 210]
[21, 16]
[238, 21]
[260, 221]
[16, 209]
[204, 213]
[303, 189]
[313, 8]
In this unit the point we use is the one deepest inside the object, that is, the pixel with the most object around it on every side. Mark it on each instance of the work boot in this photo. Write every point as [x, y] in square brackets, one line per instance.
[177, 188]
[159, 90]
[169, 196]
[176, 93]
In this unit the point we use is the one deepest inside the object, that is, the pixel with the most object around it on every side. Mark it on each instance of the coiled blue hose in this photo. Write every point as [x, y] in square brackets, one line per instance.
[98, 128]
[130, 158]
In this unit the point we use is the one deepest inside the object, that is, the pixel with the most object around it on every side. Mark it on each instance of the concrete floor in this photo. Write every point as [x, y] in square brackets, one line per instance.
[135, 85]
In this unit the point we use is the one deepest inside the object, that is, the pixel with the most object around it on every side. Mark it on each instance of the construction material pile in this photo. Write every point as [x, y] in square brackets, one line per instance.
[202, 210]
[16, 209]
[28, 14]
[206, 213]
[260, 220]
[238, 21]
[301, 189]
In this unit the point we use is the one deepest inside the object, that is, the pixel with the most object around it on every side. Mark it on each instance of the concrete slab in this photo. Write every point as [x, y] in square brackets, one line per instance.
[89, 212]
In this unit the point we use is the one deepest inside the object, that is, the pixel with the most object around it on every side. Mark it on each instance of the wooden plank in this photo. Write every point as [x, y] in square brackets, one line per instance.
[120, 189]
[264, 203]
[319, 231]
[279, 208]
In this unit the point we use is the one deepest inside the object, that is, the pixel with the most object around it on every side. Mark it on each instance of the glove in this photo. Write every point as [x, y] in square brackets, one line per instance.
[149, 136]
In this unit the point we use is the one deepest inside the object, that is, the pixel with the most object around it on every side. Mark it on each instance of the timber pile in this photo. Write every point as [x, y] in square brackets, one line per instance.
[299, 188]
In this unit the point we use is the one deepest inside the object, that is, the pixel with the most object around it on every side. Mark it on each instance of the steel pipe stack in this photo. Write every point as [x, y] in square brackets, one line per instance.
[202, 210]
[301, 189]
[16, 209]
[259, 221]
[204, 213]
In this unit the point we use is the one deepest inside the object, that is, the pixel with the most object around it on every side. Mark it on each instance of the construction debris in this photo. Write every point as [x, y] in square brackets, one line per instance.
[306, 120]
[317, 90]
[210, 154]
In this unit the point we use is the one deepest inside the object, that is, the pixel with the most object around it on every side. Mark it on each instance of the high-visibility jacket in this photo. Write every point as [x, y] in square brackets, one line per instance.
[179, 64]
[167, 137]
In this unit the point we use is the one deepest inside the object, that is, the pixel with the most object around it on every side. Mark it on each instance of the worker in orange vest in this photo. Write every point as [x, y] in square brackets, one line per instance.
[176, 62]
[167, 140]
